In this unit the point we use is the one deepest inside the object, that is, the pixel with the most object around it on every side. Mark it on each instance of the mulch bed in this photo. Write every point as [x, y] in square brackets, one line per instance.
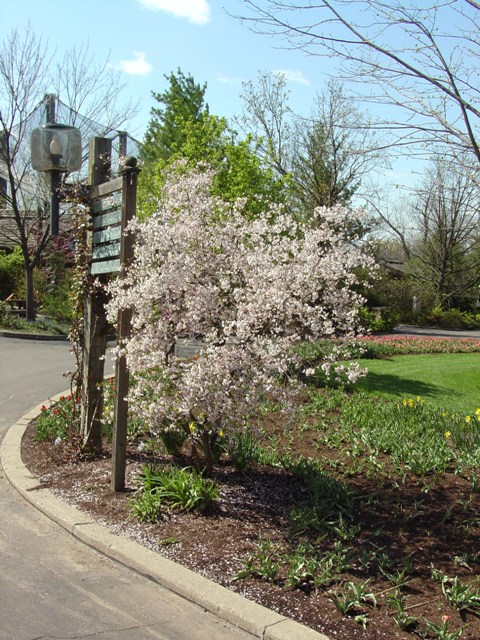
[256, 503]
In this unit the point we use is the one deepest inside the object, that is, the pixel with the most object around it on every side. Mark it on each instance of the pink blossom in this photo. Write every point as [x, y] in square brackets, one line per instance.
[250, 288]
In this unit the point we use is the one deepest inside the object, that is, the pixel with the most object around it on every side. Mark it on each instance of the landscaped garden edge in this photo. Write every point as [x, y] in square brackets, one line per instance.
[231, 607]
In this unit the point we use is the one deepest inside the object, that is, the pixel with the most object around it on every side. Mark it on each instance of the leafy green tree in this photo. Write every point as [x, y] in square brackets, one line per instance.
[12, 276]
[191, 137]
[240, 172]
[183, 102]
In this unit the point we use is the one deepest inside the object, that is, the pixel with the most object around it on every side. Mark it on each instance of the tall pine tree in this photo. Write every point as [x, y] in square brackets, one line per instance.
[183, 102]
[183, 129]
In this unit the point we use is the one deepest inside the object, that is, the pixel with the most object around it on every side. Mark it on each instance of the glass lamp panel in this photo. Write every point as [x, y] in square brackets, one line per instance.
[56, 147]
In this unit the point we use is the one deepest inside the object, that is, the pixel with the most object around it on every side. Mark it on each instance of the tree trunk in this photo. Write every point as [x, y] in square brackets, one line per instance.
[30, 313]
[208, 457]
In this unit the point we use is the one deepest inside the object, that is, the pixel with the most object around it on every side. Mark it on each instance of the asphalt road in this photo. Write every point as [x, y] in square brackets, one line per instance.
[51, 585]
[30, 372]
[410, 330]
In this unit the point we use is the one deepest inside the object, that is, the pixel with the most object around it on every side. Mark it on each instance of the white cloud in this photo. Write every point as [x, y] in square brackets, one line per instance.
[138, 66]
[292, 76]
[197, 11]
[227, 79]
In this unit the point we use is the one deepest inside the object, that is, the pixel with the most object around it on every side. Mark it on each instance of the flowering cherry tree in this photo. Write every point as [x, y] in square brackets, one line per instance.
[248, 289]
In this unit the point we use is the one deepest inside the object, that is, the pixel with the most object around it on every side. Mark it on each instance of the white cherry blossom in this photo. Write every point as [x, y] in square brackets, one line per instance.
[250, 289]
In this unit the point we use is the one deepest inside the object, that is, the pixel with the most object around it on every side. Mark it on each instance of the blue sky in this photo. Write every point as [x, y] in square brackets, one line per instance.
[146, 39]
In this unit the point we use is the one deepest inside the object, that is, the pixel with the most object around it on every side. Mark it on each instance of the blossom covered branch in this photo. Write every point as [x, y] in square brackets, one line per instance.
[250, 289]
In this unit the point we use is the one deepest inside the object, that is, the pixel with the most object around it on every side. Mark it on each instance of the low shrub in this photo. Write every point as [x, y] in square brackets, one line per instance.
[12, 322]
[58, 306]
[12, 275]
[7, 318]
[178, 488]
[450, 319]
[243, 448]
[378, 321]
[173, 440]
[60, 424]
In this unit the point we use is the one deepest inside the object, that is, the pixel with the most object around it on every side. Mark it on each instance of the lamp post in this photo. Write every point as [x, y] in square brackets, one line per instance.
[56, 149]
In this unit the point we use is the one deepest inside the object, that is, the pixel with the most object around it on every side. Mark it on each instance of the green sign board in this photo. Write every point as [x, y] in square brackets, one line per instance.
[107, 233]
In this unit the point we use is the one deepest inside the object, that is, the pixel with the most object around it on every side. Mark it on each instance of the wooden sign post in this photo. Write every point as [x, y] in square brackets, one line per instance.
[119, 442]
[95, 321]
[113, 205]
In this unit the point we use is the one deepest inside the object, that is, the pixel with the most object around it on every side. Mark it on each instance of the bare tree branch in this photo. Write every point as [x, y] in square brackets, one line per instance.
[25, 78]
[326, 155]
[421, 61]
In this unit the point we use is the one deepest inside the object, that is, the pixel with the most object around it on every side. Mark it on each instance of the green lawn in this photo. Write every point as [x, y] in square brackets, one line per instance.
[451, 381]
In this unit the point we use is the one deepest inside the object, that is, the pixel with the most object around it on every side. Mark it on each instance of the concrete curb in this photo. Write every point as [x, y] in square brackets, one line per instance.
[32, 336]
[249, 616]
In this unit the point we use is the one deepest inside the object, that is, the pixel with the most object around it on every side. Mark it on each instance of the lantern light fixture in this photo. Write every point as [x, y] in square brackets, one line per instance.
[56, 149]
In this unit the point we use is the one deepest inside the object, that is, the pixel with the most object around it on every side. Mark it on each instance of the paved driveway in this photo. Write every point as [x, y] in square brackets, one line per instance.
[53, 586]
[440, 333]
[30, 372]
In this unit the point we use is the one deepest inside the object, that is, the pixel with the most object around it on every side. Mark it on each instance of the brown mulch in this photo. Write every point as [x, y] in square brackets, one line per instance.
[405, 520]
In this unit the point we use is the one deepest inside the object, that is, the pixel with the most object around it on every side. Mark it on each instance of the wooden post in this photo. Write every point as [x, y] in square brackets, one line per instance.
[95, 323]
[50, 108]
[99, 160]
[122, 144]
[119, 440]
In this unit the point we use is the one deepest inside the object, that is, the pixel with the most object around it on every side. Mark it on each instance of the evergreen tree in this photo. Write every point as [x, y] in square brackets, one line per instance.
[186, 131]
[184, 102]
